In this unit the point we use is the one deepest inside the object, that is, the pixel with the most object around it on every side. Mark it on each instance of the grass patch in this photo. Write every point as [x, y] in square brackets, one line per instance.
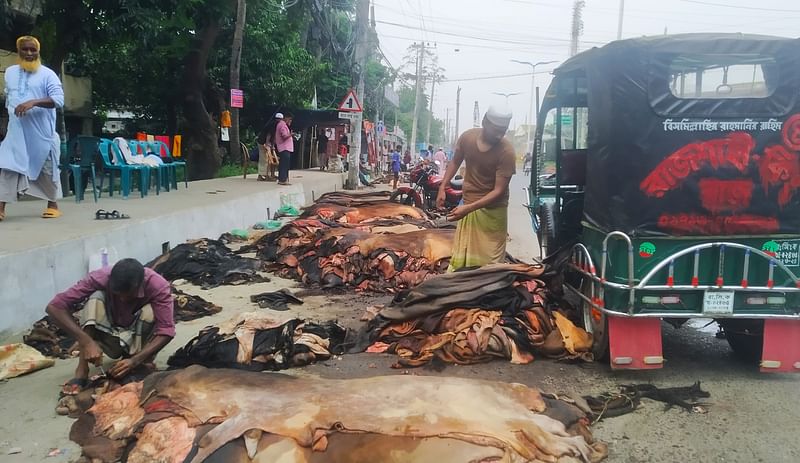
[236, 170]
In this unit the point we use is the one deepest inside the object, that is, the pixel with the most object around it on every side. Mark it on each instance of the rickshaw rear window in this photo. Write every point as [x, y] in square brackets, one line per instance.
[706, 76]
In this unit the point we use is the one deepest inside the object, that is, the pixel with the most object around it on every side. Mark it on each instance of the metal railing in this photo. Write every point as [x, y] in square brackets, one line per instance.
[581, 261]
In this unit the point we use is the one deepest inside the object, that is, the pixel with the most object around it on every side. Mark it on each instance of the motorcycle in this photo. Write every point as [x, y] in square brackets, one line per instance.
[425, 182]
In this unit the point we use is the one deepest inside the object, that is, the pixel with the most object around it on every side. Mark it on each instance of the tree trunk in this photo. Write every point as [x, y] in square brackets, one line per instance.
[236, 61]
[200, 133]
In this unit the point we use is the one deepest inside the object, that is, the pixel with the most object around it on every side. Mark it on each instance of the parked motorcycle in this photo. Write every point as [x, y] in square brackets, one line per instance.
[425, 182]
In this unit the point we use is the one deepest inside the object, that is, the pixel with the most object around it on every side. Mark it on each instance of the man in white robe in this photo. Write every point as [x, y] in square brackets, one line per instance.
[29, 155]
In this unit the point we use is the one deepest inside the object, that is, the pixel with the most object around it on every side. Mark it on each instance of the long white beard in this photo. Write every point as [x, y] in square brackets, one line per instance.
[29, 66]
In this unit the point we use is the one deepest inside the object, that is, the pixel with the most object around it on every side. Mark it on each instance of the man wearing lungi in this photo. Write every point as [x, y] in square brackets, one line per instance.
[490, 162]
[29, 155]
[124, 311]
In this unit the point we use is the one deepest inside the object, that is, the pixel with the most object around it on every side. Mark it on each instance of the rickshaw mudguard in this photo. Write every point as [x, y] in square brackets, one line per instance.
[781, 352]
[635, 343]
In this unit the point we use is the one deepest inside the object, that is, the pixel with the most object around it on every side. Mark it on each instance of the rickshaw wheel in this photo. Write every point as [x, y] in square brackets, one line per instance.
[596, 323]
[746, 337]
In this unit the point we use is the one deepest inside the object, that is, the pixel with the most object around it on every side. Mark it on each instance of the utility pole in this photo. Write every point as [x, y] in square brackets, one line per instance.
[621, 16]
[361, 50]
[430, 111]
[236, 62]
[418, 95]
[458, 113]
[447, 128]
[577, 26]
[532, 114]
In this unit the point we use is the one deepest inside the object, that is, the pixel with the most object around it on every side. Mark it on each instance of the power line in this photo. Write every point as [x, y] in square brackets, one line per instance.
[512, 42]
[448, 21]
[490, 47]
[741, 7]
[494, 77]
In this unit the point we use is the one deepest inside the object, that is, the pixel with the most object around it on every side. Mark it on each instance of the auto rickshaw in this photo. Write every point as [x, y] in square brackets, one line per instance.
[667, 172]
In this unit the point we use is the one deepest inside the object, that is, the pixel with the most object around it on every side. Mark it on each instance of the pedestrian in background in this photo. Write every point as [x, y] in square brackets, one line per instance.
[441, 160]
[267, 160]
[395, 165]
[284, 143]
[29, 154]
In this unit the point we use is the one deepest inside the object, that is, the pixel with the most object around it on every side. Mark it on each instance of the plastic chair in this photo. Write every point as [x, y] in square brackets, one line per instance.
[107, 147]
[87, 151]
[162, 171]
[158, 147]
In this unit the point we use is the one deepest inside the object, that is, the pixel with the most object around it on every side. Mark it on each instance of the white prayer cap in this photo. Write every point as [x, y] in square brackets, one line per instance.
[278, 115]
[499, 115]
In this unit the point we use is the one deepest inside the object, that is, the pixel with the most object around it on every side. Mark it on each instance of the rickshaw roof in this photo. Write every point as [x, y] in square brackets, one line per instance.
[660, 162]
[678, 43]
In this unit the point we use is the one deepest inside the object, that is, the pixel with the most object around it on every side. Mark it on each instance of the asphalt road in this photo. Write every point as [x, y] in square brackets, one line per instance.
[751, 417]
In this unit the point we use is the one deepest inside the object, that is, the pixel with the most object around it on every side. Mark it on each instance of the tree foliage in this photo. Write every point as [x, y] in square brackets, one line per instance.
[167, 61]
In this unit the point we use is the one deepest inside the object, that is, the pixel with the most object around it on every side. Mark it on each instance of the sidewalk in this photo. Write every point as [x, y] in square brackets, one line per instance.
[40, 257]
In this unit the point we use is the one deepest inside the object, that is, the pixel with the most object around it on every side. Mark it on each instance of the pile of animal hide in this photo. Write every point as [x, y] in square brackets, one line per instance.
[363, 213]
[207, 263]
[498, 311]
[366, 260]
[629, 396]
[374, 245]
[349, 199]
[256, 341]
[197, 415]
[188, 307]
[52, 341]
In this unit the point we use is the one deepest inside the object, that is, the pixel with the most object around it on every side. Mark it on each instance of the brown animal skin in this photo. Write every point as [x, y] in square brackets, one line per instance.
[311, 411]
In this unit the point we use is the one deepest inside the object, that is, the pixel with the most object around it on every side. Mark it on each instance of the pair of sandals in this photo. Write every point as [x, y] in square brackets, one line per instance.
[48, 213]
[113, 215]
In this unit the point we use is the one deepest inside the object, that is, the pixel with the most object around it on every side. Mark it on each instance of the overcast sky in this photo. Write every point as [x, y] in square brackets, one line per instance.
[478, 38]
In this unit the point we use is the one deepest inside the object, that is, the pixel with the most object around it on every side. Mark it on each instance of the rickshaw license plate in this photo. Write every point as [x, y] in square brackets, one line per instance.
[718, 302]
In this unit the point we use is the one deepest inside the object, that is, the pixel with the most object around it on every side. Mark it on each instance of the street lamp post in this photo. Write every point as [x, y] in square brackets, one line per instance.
[507, 95]
[533, 114]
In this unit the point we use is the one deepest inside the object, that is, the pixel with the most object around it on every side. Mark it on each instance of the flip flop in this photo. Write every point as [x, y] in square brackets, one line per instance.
[51, 213]
[113, 215]
[116, 215]
[73, 387]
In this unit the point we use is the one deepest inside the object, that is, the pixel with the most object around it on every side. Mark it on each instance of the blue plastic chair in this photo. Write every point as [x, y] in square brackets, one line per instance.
[162, 171]
[158, 146]
[83, 148]
[107, 147]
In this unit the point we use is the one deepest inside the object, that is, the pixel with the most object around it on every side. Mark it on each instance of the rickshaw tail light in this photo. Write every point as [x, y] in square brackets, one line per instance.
[695, 282]
[661, 300]
[761, 300]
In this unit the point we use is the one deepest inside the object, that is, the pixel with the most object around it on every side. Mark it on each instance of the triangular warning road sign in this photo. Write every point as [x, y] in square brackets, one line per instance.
[350, 103]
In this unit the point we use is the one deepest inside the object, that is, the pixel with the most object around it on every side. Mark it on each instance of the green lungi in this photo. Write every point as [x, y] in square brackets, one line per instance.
[480, 238]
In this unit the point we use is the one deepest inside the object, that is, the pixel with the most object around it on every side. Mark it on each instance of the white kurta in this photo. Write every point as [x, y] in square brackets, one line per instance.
[31, 139]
